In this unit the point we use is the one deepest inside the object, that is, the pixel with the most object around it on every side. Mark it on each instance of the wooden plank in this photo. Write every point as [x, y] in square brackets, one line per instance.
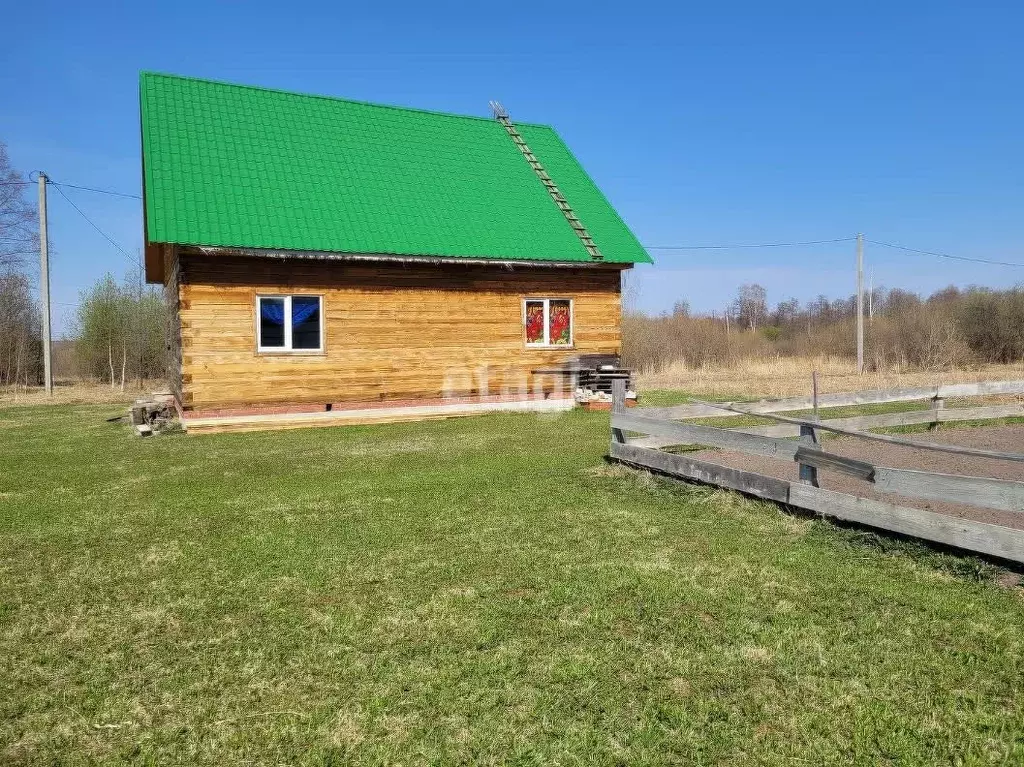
[808, 470]
[368, 415]
[1002, 494]
[651, 442]
[618, 406]
[994, 540]
[758, 485]
[138, 414]
[854, 422]
[982, 388]
[979, 413]
[842, 399]
[682, 412]
[1005, 495]
[819, 459]
[933, 446]
[691, 434]
[986, 492]
[882, 420]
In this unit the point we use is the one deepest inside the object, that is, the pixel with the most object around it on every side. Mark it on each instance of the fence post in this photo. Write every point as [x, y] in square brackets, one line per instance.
[809, 436]
[618, 406]
[938, 403]
[808, 474]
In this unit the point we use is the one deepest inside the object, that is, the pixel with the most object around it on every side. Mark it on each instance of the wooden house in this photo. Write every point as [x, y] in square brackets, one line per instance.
[326, 258]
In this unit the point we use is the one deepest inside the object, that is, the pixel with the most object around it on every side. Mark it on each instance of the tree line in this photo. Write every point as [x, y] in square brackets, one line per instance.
[20, 331]
[119, 331]
[951, 327]
[118, 328]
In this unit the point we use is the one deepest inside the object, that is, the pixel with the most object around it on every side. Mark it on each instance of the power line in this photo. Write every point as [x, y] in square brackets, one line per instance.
[944, 255]
[839, 239]
[74, 186]
[753, 245]
[806, 243]
[94, 189]
[92, 223]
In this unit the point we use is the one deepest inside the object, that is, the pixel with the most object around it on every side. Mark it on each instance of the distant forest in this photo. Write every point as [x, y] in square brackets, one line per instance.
[950, 328]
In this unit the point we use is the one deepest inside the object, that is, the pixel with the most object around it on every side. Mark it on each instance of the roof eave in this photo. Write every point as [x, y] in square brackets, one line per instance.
[394, 257]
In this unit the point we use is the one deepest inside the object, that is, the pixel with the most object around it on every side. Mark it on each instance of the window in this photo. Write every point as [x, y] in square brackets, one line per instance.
[548, 321]
[290, 323]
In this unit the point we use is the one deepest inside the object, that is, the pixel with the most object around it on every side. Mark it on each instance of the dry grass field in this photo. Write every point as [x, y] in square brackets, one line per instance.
[75, 393]
[773, 377]
[791, 376]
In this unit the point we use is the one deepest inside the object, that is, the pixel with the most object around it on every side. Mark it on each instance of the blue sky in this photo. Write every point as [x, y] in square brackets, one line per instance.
[703, 123]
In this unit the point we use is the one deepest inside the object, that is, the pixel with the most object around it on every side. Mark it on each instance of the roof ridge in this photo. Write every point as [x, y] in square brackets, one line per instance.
[150, 73]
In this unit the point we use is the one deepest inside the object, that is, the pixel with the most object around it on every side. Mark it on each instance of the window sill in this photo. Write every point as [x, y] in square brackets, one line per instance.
[549, 347]
[290, 353]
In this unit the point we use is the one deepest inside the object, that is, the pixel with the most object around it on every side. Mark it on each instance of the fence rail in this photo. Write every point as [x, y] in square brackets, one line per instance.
[844, 399]
[809, 456]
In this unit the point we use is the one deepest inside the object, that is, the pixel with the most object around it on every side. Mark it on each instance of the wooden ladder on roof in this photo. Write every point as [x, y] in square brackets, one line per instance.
[563, 205]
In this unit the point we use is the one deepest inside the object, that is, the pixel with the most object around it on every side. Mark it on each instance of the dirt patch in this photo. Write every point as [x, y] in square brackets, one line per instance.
[1004, 438]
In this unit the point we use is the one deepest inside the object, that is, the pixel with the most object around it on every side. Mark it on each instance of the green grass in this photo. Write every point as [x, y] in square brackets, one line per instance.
[922, 427]
[670, 397]
[479, 590]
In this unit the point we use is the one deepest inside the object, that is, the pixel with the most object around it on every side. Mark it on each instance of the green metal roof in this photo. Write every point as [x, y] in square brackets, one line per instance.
[239, 166]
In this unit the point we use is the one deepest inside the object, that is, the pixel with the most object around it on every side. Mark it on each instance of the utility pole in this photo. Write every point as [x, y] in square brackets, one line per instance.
[860, 303]
[44, 284]
[139, 316]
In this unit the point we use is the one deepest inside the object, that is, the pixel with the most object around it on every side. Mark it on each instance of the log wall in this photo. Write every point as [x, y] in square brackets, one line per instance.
[172, 291]
[393, 331]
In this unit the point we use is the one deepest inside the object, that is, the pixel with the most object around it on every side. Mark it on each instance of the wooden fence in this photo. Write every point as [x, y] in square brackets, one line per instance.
[808, 457]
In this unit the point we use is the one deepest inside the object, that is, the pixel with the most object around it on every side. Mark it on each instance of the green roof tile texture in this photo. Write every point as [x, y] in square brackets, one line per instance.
[238, 166]
[613, 237]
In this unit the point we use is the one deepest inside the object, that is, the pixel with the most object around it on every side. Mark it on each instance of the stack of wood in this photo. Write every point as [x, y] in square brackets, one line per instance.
[592, 376]
[599, 380]
[594, 386]
[152, 414]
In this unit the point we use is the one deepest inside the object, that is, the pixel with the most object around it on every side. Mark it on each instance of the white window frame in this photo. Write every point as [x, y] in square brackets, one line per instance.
[546, 343]
[287, 348]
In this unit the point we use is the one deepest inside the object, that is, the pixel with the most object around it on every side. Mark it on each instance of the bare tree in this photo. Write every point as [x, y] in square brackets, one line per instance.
[20, 335]
[681, 308]
[751, 305]
[786, 313]
[19, 230]
[20, 339]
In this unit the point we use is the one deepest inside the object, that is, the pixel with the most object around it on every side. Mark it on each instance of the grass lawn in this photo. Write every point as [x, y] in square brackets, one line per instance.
[478, 590]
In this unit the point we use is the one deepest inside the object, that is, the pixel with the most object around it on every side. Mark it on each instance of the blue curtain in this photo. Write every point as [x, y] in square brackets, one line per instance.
[272, 311]
[303, 309]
